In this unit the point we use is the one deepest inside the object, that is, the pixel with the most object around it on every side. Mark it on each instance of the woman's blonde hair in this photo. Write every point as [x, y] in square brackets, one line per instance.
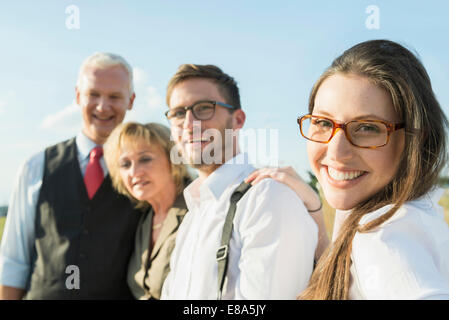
[395, 69]
[134, 134]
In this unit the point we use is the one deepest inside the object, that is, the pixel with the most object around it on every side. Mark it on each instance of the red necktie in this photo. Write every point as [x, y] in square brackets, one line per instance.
[94, 173]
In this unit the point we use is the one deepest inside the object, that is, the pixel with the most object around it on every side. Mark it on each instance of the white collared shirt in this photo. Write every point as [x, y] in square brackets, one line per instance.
[407, 257]
[18, 236]
[272, 246]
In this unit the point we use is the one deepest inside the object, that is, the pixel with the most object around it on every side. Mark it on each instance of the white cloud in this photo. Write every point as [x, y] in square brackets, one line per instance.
[147, 95]
[149, 104]
[66, 120]
[154, 99]
[11, 94]
[7, 98]
[140, 77]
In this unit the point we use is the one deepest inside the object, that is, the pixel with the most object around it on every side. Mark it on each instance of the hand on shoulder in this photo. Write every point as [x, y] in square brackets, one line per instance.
[289, 177]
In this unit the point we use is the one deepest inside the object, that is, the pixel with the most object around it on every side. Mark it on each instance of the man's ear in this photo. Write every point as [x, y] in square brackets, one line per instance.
[238, 118]
[131, 101]
[77, 95]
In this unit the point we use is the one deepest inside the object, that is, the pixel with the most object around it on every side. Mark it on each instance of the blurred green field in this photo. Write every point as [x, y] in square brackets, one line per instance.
[2, 224]
[444, 202]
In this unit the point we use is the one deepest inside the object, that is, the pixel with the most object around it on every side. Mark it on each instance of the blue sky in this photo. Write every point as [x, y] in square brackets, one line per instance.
[274, 49]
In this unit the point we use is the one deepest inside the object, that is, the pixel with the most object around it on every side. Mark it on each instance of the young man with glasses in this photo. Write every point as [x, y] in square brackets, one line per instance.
[273, 240]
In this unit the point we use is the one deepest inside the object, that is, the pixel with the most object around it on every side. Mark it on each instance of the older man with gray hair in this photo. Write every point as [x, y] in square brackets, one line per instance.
[68, 234]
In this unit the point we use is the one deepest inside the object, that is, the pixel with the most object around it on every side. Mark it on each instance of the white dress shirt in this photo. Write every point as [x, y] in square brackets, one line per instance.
[407, 257]
[18, 236]
[272, 246]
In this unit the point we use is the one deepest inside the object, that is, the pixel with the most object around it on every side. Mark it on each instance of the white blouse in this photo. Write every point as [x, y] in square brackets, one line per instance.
[407, 257]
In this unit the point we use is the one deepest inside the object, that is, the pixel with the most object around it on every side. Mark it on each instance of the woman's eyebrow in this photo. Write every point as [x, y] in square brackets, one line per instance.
[145, 151]
[369, 116]
[139, 153]
[360, 117]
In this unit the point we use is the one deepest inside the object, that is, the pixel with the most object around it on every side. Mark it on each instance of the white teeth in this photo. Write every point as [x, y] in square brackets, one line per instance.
[102, 118]
[343, 175]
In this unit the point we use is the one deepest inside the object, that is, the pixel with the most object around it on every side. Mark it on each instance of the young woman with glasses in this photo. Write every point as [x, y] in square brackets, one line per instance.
[377, 144]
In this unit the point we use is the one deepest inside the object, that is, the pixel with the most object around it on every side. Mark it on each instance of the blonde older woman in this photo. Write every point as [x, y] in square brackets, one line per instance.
[138, 158]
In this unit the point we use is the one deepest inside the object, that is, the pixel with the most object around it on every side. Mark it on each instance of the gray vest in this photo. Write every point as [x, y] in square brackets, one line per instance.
[96, 236]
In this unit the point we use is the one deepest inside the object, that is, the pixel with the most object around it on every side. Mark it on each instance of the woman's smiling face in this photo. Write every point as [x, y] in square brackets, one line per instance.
[145, 170]
[349, 174]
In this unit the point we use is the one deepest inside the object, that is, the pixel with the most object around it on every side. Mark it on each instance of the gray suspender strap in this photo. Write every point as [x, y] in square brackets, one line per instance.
[223, 250]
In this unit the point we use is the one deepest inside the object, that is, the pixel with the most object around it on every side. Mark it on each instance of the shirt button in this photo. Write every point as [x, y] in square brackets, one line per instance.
[82, 256]
[85, 232]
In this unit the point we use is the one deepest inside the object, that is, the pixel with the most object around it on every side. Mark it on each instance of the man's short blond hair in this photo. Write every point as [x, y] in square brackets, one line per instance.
[226, 84]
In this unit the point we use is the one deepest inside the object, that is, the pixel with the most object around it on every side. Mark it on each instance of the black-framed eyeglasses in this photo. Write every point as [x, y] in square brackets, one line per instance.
[202, 110]
[368, 134]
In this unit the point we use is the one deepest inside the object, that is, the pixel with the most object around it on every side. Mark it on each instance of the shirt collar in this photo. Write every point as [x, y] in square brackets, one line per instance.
[428, 203]
[84, 145]
[217, 182]
[221, 178]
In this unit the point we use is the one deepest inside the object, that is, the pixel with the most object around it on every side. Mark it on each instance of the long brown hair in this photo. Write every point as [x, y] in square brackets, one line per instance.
[394, 68]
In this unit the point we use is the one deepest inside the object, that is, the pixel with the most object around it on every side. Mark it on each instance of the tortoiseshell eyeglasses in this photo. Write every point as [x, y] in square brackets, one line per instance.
[368, 134]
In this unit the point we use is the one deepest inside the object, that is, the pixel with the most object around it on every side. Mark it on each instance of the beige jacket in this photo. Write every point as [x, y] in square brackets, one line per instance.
[148, 285]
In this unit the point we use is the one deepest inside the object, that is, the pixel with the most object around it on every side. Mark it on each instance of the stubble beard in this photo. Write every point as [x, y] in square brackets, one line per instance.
[196, 160]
